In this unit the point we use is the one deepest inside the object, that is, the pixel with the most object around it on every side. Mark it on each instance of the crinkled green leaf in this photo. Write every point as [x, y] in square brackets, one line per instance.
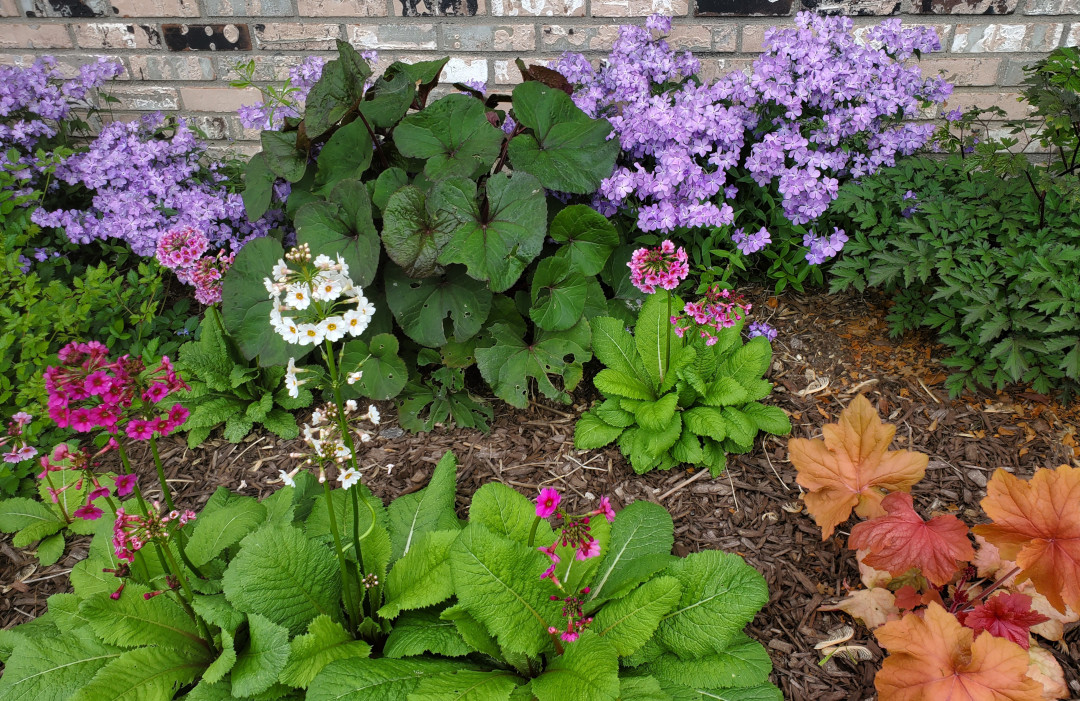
[472, 631]
[741, 663]
[592, 432]
[258, 665]
[641, 689]
[629, 622]
[422, 577]
[221, 666]
[507, 513]
[429, 509]
[771, 419]
[418, 632]
[283, 158]
[356, 679]
[641, 540]
[656, 416]
[219, 529]
[587, 669]
[32, 519]
[750, 361]
[53, 667]
[325, 642]
[414, 232]
[132, 621]
[143, 674]
[467, 685]
[657, 344]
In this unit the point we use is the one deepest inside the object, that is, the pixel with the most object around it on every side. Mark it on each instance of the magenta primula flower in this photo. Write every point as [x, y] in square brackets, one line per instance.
[547, 502]
[125, 484]
[88, 512]
[605, 509]
[663, 266]
[588, 549]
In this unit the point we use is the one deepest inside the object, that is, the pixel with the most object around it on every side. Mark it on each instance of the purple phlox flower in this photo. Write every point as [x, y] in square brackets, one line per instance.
[760, 328]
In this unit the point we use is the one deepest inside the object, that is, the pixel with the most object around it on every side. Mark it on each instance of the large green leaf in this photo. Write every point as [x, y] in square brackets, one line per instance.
[33, 519]
[749, 362]
[495, 239]
[339, 88]
[132, 621]
[221, 528]
[498, 581]
[507, 513]
[282, 575]
[331, 229]
[419, 632]
[53, 668]
[720, 595]
[356, 679]
[629, 622]
[472, 631]
[421, 307]
[743, 662]
[587, 236]
[453, 135]
[422, 576]
[558, 295]
[384, 372]
[324, 642]
[430, 509]
[656, 416]
[143, 674]
[258, 665]
[467, 685]
[258, 187]
[389, 97]
[641, 541]
[615, 347]
[346, 155]
[414, 231]
[245, 304]
[588, 669]
[565, 149]
[508, 365]
[656, 342]
[592, 432]
[283, 158]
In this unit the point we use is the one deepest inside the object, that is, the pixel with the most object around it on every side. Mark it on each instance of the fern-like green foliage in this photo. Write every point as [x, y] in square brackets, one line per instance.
[228, 390]
[668, 402]
[459, 612]
[440, 399]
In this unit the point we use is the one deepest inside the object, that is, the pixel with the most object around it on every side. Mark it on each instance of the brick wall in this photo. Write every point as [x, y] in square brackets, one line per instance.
[179, 53]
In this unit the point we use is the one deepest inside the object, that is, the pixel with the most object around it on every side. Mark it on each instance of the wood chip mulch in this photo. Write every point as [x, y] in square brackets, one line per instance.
[829, 349]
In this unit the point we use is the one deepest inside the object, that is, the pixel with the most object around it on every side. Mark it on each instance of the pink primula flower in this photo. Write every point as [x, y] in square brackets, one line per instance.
[547, 502]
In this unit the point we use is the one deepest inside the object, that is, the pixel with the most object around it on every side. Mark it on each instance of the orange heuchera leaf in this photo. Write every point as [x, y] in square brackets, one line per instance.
[933, 658]
[871, 606]
[852, 467]
[1043, 667]
[1006, 616]
[1037, 525]
[902, 540]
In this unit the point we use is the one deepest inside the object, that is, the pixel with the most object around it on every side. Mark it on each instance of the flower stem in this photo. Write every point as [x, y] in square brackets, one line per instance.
[532, 531]
[667, 340]
[161, 473]
[179, 574]
[351, 609]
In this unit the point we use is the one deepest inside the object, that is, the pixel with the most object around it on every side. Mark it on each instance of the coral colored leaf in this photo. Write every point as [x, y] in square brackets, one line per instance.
[1006, 616]
[1037, 525]
[852, 467]
[933, 657]
[902, 540]
[1043, 667]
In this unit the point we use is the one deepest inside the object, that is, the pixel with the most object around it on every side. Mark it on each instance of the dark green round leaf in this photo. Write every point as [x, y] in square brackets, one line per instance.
[498, 241]
[387, 101]
[346, 155]
[558, 295]
[389, 181]
[413, 234]
[329, 228]
[258, 187]
[564, 148]
[421, 306]
[453, 135]
[337, 90]
[384, 373]
[282, 156]
[245, 305]
[588, 235]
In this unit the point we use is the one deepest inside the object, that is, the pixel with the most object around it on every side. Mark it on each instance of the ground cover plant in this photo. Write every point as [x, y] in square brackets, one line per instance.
[950, 627]
[749, 164]
[983, 246]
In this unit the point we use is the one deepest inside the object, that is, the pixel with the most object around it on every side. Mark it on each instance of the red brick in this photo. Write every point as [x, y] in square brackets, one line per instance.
[35, 36]
[294, 37]
[156, 8]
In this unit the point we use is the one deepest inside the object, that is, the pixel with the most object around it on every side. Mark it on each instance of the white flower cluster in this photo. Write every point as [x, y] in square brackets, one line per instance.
[323, 436]
[309, 296]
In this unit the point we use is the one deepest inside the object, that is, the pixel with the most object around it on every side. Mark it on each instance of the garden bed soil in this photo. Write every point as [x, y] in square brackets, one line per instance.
[829, 349]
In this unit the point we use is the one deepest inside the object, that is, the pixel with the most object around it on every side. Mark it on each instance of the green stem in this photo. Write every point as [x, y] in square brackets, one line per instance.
[667, 340]
[532, 531]
[350, 607]
[186, 603]
[181, 537]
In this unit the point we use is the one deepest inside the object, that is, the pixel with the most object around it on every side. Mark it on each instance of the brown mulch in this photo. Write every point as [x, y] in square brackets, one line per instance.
[829, 349]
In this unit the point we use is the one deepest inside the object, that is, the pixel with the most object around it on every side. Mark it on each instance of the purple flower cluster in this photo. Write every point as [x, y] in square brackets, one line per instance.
[147, 181]
[751, 243]
[819, 107]
[760, 328]
[822, 248]
[272, 111]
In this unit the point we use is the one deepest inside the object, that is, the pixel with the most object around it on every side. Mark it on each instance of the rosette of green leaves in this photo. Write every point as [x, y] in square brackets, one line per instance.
[707, 405]
[441, 398]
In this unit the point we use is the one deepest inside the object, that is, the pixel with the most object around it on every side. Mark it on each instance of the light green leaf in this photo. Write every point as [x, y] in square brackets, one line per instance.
[629, 622]
[641, 540]
[588, 669]
[224, 662]
[706, 421]
[656, 416]
[356, 679]
[498, 581]
[222, 528]
[588, 238]
[641, 689]
[417, 632]
[720, 595]
[325, 642]
[724, 391]
[53, 668]
[216, 609]
[282, 575]
[467, 685]
[421, 307]
[50, 549]
[614, 383]
[612, 414]
[132, 621]
[657, 345]
[430, 509]
[592, 432]
[452, 135]
[742, 663]
[257, 666]
[615, 347]
[472, 631]
[143, 674]
[422, 577]
[768, 418]
[749, 362]
[507, 513]
[32, 519]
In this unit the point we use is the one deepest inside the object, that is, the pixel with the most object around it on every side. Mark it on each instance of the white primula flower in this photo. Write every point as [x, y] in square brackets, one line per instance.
[322, 262]
[271, 288]
[317, 417]
[326, 288]
[365, 308]
[298, 296]
[348, 477]
[373, 414]
[333, 327]
[310, 334]
[291, 383]
[350, 406]
[280, 271]
[343, 268]
[340, 450]
[353, 377]
[287, 477]
[365, 437]
[276, 320]
[355, 322]
[290, 331]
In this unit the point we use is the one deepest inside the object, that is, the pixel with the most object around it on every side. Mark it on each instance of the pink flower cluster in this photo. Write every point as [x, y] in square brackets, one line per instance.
[716, 310]
[89, 391]
[63, 458]
[663, 266]
[575, 533]
[19, 449]
[132, 532]
[183, 251]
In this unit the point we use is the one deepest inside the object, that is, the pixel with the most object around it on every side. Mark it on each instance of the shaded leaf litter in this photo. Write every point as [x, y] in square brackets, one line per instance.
[829, 349]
